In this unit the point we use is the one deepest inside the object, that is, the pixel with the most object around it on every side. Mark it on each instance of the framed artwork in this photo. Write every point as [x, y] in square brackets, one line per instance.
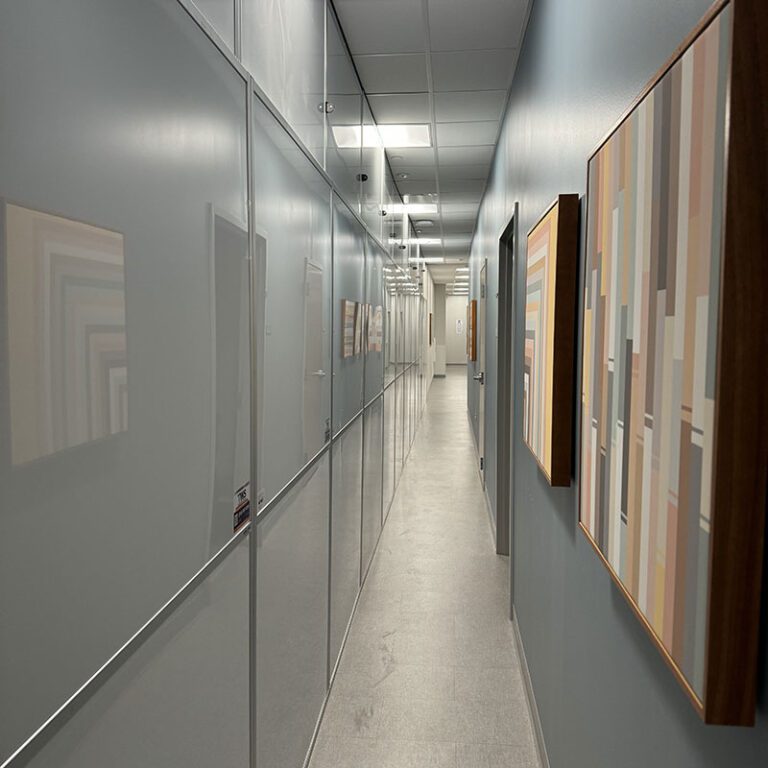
[472, 330]
[550, 307]
[348, 318]
[67, 344]
[673, 396]
[360, 312]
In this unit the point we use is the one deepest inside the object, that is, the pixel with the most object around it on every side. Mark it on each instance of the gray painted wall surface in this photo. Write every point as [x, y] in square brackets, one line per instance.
[605, 696]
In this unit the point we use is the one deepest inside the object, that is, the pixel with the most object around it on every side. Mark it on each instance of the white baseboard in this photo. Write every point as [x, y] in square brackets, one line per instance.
[541, 746]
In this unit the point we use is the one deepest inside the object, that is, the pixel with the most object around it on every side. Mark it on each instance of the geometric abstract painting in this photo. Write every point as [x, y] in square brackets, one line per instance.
[550, 301]
[652, 374]
[67, 361]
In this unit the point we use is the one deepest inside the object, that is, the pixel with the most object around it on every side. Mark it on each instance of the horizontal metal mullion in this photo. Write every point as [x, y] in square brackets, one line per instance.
[199, 18]
[346, 427]
[280, 495]
[24, 753]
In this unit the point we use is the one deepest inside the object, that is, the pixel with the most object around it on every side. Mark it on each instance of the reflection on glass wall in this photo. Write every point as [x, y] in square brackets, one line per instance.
[284, 49]
[374, 297]
[231, 496]
[293, 256]
[346, 518]
[344, 104]
[181, 700]
[291, 620]
[350, 311]
[67, 358]
[110, 165]
[372, 480]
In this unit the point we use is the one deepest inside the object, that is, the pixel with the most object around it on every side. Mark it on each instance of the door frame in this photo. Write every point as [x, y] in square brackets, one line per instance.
[482, 358]
[505, 387]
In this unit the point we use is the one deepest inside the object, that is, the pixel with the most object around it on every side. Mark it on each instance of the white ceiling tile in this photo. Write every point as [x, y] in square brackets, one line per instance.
[461, 210]
[382, 26]
[473, 186]
[404, 158]
[451, 172]
[464, 155]
[463, 106]
[467, 195]
[416, 173]
[418, 187]
[472, 70]
[467, 134]
[400, 107]
[398, 73]
[456, 25]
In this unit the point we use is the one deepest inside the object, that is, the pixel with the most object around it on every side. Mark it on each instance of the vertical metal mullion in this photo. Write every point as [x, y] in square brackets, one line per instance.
[254, 329]
[238, 29]
[364, 347]
[328, 660]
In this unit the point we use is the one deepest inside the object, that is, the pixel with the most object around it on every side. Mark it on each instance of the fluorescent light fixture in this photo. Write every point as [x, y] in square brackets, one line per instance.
[387, 136]
[412, 209]
[432, 260]
[462, 269]
[416, 241]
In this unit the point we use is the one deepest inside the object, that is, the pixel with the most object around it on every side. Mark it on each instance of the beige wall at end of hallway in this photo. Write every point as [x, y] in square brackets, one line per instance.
[455, 330]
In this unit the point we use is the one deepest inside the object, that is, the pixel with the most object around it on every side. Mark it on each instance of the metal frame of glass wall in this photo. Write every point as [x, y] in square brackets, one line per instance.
[397, 378]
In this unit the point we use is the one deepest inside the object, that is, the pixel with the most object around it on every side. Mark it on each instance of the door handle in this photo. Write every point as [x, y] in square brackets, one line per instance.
[320, 373]
[480, 377]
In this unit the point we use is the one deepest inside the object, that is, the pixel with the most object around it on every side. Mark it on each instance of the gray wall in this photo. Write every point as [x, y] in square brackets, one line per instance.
[605, 696]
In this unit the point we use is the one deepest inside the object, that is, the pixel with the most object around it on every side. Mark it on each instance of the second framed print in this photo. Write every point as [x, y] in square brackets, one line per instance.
[550, 306]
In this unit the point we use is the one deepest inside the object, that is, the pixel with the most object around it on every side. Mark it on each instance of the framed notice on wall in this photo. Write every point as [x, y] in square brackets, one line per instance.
[673, 395]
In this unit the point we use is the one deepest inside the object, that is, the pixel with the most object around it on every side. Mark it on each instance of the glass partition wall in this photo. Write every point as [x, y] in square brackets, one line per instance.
[197, 465]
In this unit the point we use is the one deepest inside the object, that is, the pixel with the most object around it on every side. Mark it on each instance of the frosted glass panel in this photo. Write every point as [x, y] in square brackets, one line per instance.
[389, 447]
[293, 238]
[345, 530]
[345, 103]
[399, 423]
[372, 179]
[291, 620]
[349, 316]
[374, 298]
[284, 49]
[372, 479]
[181, 700]
[114, 166]
[221, 14]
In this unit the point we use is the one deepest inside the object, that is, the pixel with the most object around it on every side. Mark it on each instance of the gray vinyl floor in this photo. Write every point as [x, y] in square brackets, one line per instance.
[430, 677]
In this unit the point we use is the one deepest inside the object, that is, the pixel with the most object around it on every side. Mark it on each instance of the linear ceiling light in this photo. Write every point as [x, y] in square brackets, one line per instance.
[416, 241]
[412, 209]
[387, 136]
[462, 269]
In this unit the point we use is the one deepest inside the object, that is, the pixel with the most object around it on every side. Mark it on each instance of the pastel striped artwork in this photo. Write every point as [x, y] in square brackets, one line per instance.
[538, 367]
[651, 301]
[67, 352]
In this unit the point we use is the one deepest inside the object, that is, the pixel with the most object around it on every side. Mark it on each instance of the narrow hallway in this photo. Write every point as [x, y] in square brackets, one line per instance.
[430, 676]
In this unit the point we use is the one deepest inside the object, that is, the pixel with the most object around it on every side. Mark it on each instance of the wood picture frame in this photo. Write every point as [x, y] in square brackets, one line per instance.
[550, 336]
[472, 330]
[698, 596]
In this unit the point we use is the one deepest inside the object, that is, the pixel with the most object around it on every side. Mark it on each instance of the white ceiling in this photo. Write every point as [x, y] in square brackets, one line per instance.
[448, 63]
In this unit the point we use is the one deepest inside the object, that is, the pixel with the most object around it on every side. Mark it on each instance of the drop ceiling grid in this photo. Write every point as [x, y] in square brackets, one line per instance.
[451, 62]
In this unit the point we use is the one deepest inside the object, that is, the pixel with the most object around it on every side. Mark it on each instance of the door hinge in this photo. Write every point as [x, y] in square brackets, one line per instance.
[482, 463]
